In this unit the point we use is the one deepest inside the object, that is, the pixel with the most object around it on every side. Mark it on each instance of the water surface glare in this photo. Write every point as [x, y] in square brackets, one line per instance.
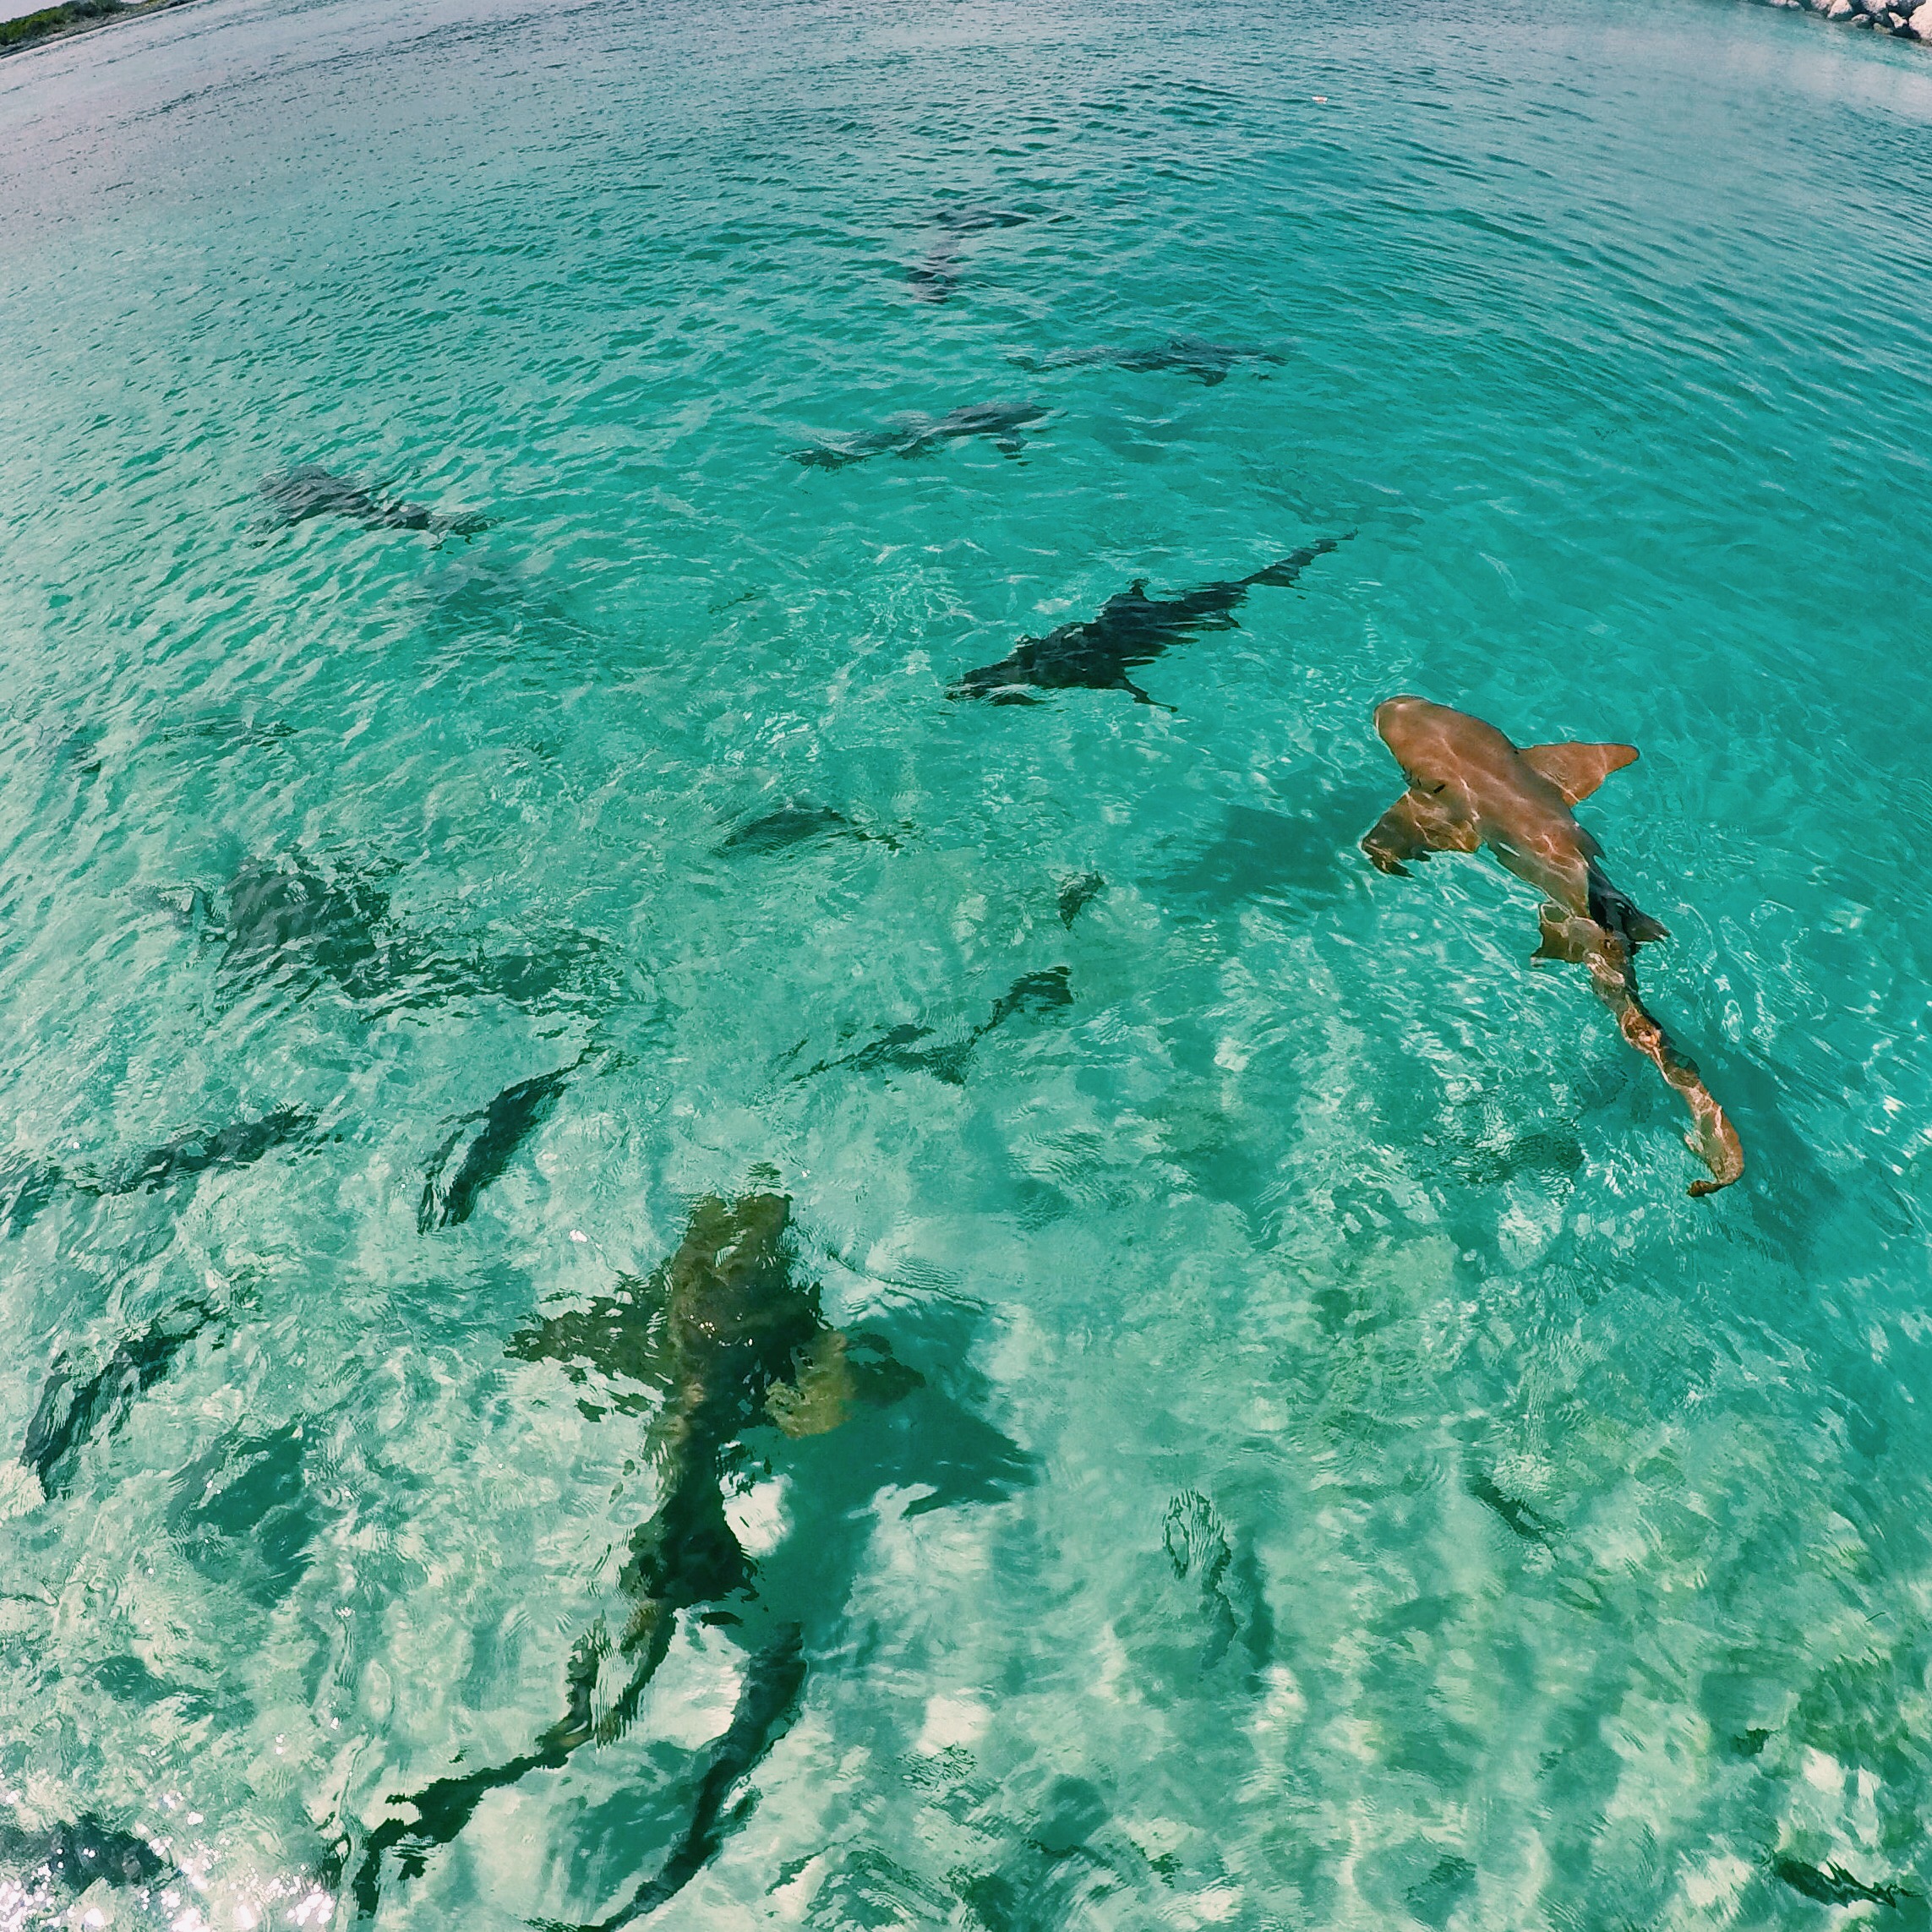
[495, 501]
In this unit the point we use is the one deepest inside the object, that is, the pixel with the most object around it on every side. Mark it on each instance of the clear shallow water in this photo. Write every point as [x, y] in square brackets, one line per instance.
[1575, 1531]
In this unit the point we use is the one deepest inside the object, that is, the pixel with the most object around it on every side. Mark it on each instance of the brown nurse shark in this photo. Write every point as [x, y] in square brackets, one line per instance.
[1469, 787]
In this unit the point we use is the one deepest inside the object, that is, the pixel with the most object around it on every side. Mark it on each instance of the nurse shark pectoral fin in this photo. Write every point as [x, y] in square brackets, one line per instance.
[1470, 787]
[1577, 770]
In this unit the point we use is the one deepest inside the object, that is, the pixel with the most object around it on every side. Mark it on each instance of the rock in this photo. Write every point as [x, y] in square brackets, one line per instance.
[1921, 22]
[1838, 8]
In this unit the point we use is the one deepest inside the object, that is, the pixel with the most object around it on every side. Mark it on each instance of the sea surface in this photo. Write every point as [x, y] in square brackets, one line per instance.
[1350, 1484]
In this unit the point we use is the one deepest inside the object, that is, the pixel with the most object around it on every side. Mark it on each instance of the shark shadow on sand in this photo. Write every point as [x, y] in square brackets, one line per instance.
[1208, 362]
[901, 1047]
[913, 436]
[1132, 629]
[298, 495]
[723, 1342]
[1470, 787]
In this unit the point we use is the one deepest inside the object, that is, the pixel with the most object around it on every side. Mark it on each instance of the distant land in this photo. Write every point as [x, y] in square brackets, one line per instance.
[73, 17]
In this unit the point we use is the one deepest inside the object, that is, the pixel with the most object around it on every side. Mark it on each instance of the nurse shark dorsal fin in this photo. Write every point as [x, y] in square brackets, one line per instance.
[1577, 770]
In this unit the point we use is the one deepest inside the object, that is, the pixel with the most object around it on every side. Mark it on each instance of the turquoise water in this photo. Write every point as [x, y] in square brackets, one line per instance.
[1352, 1485]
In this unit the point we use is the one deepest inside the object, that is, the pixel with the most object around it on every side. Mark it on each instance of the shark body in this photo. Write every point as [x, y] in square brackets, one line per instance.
[1208, 362]
[297, 495]
[1470, 788]
[1132, 629]
[723, 1338]
[449, 1194]
[936, 276]
[914, 435]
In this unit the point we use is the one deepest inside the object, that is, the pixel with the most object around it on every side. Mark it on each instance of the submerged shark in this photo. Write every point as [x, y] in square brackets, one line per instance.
[74, 1857]
[290, 921]
[913, 436]
[946, 1060]
[1209, 363]
[30, 1186]
[239, 1144]
[795, 823]
[1076, 894]
[1470, 787]
[1132, 629]
[294, 496]
[763, 1713]
[288, 925]
[1834, 1884]
[729, 1338]
[936, 276]
[74, 1408]
[449, 1196]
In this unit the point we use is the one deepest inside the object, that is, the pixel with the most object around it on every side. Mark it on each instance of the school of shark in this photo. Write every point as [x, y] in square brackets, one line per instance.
[724, 1355]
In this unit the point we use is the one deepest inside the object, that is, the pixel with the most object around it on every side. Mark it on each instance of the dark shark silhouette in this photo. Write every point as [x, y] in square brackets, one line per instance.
[1208, 362]
[290, 920]
[902, 1047]
[1470, 787]
[1076, 894]
[793, 824]
[913, 436]
[28, 1187]
[449, 1197]
[1132, 629]
[1834, 1884]
[297, 495]
[75, 1855]
[936, 276]
[1515, 1515]
[763, 1713]
[724, 1340]
[75, 1408]
[287, 924]
[728, 1338]
[239, 1144]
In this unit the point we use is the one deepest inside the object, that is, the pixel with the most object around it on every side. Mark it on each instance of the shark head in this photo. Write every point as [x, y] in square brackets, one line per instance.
[1417, 731]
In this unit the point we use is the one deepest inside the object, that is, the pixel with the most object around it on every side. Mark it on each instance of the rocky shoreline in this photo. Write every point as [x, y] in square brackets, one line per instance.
[1913, 21]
